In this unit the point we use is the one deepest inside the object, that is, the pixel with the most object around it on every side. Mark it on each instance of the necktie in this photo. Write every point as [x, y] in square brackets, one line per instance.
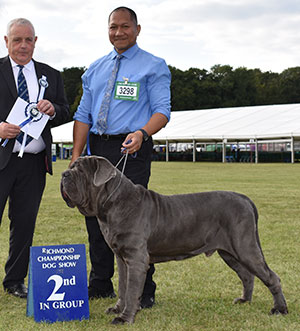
[22, 85]
[103, 112]
[22, 93]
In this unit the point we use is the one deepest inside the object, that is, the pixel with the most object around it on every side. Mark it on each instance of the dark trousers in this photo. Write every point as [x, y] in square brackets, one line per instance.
[138, 171]
[22, 182]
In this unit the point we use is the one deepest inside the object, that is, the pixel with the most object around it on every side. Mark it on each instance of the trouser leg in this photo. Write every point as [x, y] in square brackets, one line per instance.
[101, 256]
[24, 201]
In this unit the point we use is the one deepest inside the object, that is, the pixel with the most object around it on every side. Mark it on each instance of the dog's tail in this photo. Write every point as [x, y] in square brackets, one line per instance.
[255, 212]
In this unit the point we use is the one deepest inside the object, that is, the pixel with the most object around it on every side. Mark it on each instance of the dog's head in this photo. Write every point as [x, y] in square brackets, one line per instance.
[82, 183]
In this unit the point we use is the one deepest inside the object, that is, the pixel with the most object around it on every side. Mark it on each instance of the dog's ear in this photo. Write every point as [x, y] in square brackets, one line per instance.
[105, 171]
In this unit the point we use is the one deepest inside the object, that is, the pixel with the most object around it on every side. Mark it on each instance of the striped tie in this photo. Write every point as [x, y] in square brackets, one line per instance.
[103, 112]
[23, 93]
[22, 85]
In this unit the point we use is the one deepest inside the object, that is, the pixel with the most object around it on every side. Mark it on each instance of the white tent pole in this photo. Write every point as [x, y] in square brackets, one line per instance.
[224, 150]
[61, 151]
[256, 151]
[292, 150]
[194, 150]
[167, 151]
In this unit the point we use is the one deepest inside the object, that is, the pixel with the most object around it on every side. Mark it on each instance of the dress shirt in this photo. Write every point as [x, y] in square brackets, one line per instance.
[35, 146]
[137, 66]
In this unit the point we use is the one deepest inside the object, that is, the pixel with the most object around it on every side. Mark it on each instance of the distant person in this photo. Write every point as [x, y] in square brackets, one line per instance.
[238, 154]
[138, 107]
[23, 178]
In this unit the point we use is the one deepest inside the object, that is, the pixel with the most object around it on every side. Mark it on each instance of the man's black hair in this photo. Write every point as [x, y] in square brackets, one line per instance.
[131, 12]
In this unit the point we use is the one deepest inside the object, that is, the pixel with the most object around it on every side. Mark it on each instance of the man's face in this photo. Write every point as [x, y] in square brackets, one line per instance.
[20, 43]
[122, 30]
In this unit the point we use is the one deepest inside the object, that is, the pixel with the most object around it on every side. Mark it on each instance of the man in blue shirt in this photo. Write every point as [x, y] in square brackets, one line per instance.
[138, 107]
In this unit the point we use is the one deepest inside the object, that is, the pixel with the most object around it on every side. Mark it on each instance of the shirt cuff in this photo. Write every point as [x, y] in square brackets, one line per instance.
[53, 116]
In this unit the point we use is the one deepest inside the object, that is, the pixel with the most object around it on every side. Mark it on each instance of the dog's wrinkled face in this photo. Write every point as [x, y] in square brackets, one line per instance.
[82, 183]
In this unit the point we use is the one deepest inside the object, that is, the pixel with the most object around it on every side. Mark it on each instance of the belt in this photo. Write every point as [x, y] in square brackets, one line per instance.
[121, 136]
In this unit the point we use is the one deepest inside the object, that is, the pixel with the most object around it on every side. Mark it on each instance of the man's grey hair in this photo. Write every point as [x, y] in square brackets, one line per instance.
[19, 21]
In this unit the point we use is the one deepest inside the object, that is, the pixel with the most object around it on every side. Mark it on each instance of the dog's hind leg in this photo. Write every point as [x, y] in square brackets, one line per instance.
[255, 263]
[245, 276]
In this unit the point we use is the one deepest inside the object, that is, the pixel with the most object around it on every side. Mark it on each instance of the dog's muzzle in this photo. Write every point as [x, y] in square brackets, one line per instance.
[63, 192]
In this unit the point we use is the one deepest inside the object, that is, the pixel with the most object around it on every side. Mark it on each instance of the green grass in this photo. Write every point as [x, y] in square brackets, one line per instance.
[194, 294]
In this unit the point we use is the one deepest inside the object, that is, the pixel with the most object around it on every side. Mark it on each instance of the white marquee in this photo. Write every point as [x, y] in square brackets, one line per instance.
[224, 125]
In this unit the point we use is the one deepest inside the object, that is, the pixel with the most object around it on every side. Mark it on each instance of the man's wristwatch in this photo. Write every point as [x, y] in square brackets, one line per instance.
[145, 134]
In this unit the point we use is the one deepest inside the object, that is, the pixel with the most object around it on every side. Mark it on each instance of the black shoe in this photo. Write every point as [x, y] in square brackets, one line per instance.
[95, 293]
[18, 290]
[147, 301]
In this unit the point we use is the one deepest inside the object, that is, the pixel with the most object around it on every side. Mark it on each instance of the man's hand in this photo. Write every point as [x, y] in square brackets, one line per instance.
[136, 139]
[9, 131]
[46, 107]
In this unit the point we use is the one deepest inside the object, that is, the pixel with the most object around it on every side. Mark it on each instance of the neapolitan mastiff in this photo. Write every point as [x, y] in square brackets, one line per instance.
[143, 227]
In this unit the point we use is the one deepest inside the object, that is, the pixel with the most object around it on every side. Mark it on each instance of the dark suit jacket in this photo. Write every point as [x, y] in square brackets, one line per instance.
[54, 93]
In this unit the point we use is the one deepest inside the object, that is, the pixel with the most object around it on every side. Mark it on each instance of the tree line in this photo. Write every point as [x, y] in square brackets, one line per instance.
[221, 86]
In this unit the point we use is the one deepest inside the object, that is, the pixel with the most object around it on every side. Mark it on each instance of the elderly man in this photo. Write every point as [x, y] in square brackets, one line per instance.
[23, 176]
[126, 99]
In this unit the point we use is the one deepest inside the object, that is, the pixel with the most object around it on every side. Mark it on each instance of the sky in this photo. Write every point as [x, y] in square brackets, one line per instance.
[262, 34]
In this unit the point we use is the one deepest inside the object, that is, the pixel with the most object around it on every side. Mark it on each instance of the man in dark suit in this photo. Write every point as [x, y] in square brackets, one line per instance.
[23, 178]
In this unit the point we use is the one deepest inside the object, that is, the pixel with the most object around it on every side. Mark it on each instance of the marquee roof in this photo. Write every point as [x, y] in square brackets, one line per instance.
[212, 125]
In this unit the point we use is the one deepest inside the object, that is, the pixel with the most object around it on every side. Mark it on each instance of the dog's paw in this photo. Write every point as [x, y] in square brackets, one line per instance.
[118, 321]
[279, 311]
[113, 310]
[240, 300]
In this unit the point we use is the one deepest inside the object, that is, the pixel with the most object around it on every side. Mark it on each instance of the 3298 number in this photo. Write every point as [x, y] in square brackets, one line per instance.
[126, 90]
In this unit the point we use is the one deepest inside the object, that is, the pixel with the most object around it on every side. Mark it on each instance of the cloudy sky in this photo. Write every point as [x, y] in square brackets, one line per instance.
[262, 34]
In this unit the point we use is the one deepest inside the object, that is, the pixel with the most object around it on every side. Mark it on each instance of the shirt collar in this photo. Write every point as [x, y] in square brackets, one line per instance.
[29, 66]
[129, 53]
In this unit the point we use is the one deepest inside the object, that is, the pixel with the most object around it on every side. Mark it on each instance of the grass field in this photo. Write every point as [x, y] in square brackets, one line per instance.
[194, 294]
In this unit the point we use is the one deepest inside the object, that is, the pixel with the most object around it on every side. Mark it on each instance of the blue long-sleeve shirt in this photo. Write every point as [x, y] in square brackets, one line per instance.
[138, 66]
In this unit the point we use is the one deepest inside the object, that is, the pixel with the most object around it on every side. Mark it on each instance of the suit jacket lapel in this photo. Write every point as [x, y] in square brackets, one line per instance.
[9, 77]
[38, 69]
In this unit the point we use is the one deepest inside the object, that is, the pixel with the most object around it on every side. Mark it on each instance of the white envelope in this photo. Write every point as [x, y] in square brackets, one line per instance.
[17, 116]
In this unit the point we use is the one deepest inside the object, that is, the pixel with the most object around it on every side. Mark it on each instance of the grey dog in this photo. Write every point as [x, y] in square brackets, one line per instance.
[143, 227]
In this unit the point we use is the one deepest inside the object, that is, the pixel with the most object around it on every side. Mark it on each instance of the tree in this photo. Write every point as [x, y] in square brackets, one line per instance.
[289, 81]
[72, 84]
[244, 87]
[267, 87]
[219, 87]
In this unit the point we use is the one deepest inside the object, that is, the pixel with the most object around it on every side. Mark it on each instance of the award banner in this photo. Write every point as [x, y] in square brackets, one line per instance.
[57, 283]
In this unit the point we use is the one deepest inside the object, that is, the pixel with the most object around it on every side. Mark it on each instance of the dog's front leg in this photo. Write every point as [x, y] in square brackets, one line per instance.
[118, 308]
[136, 267]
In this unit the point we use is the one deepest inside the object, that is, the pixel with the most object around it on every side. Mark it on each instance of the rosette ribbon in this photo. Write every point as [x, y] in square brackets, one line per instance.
[32, 115]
